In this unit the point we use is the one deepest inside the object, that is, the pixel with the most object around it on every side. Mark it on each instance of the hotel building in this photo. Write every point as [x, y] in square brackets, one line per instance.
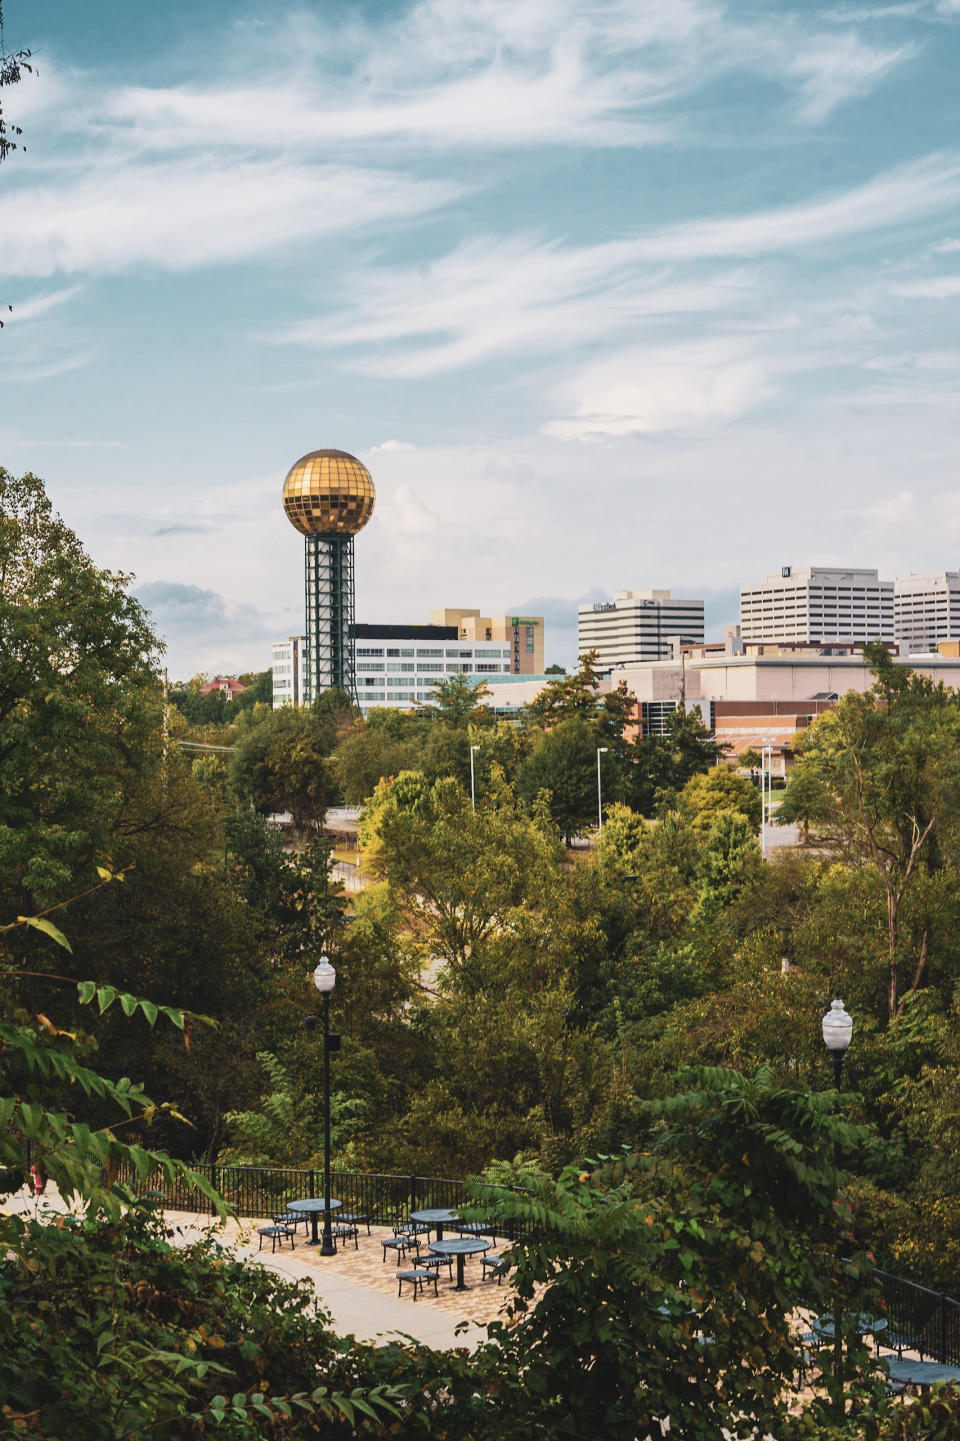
[523, 633]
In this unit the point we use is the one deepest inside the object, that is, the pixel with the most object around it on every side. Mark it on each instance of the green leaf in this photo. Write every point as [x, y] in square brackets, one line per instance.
[106, 995]
[150, 1011]
[86, 991]
[128, 1004]
[39, 923]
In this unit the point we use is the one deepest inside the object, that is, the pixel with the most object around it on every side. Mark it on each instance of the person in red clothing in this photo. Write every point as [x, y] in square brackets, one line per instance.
[38, 1178]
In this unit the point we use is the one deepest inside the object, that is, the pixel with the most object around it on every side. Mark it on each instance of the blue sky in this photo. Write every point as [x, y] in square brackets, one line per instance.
[606, 293]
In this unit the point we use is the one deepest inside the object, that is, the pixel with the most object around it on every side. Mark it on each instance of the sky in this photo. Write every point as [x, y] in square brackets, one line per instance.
[607, 294]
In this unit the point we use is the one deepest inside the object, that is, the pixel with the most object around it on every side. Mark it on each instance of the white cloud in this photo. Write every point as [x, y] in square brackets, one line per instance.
[896, 197]
[41, 304]
[937, 287]
[494, 296]
[669, 389]
[833, 69]
[26, 374]
[189, 212]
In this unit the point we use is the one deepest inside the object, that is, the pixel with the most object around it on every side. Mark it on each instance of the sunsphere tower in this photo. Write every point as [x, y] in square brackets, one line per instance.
[328, 496]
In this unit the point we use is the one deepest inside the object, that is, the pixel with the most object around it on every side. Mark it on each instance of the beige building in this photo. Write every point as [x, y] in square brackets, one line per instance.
[765, 693]
[637, 626]
[523, 633]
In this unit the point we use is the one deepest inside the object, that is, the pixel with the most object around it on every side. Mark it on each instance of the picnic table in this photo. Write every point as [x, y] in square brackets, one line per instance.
[460, 1247]
[918, 1373]
[859, 1322]
[313, 1206]
[436, 1216]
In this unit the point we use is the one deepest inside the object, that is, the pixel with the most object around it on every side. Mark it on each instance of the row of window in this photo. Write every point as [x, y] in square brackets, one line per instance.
[424, 652]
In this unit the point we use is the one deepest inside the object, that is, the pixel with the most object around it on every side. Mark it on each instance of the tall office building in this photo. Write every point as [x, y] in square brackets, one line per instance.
[328, 496]
[638, 625]
[926, 610]
[818, 605]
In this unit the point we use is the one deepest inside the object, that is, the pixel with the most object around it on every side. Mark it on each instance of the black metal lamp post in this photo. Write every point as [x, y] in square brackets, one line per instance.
[837, 1032]
[324, 978]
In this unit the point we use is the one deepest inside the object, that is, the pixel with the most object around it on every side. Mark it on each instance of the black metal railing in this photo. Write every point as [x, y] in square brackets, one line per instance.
[261, 1191]
[920, 1320]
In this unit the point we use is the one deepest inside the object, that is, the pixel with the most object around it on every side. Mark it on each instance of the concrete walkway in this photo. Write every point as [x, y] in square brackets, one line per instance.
[357, 1310]
[368, 1315]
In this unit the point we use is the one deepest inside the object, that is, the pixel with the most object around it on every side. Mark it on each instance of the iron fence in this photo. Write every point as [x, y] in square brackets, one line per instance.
[920, 1320]
[262, 1191]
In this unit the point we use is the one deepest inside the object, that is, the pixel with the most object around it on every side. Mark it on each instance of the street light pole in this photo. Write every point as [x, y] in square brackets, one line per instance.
[837, 1029]
[324, 978]
[601, 751]
[473, 792]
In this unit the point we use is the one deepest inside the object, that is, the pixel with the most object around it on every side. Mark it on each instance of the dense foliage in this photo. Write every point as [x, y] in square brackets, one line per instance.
[505, 1002]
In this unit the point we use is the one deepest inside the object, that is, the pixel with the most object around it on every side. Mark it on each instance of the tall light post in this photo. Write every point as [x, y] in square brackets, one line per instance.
[601, 751]
[473, 790]
[325, 978]
[766, 790]
[837, 1028]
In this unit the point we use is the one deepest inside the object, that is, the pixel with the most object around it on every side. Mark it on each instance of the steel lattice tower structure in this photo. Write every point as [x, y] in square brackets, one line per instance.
[328, 496]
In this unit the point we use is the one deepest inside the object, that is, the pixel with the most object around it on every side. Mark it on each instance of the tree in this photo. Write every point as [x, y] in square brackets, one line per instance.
[460, 874]
[12, 66]
[80, 705]
[381, 746]
[664, 763]
[577, 697]
[644, 1282]
[563, 767]
[458, 703]
[281, 765]
[877, 782]
[555, 670]
[713, 792]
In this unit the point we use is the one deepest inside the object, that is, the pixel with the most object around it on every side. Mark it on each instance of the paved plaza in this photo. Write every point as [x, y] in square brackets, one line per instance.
[355, 1286]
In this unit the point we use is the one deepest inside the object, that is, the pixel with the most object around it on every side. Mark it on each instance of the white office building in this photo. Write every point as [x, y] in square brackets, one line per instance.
[398, 665]
[287, 666]
[638, 625]
[926, 610]
[818, 605]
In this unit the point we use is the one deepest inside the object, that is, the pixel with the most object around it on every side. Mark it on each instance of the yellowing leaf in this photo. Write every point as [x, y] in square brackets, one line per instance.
[40, 923]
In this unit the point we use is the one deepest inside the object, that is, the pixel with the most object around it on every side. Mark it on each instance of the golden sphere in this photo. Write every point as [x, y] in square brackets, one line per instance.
[328, 492]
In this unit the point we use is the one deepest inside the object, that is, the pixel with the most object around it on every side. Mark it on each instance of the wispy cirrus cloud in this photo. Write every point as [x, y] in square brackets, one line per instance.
[193, 212]
[36, 305]
[493, 297]
[833, 69]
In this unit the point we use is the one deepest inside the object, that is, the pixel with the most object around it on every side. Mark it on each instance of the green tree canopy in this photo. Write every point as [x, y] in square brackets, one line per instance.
[79, 700]
[717, 790]
[877, 783]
